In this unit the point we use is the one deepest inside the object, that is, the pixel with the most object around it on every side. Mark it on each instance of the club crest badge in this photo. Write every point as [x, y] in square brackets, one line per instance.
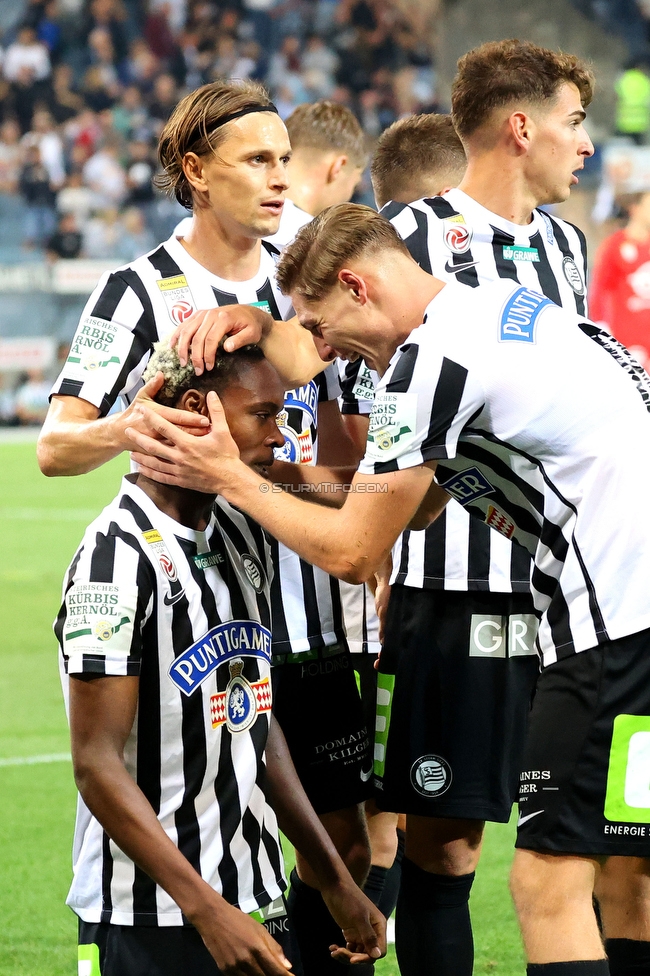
[431, 775]
[456, 234]
[241, 706]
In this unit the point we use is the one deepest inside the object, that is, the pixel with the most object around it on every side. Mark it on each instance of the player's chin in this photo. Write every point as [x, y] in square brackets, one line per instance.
[262, 468]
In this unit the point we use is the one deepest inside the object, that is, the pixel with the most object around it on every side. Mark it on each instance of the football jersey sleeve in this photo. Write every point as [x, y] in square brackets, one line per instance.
[115, 335]
[357, 388]
[420, 408]
[103, 613]
[329, 385]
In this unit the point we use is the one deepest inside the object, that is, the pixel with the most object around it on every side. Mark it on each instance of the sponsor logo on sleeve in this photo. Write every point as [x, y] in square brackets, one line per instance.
[364, 388]
[456, 234]
[263, 305]
[519, 315]
[222, 644]
[177, 297]
[98, 344]
[99, 618]
[573, 276]
[297, 422]
[467, 486]
[393, 425]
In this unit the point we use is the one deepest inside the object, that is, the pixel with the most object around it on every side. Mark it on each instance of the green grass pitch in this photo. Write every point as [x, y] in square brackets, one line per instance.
[42, 522]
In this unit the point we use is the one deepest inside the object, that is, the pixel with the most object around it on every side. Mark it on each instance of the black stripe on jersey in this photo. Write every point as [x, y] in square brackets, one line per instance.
[230, 816]
[404, 556]
[310, 601]
[144, 336]
[563, 244]
[265, 294]
[139, 517]
[622, 356]
[271, 249]
[475, 452]
[478, 555]
[238, 603]
[417, 242]
[520, 568]
[547, 283]
[446, 403]
[102, 561]
[403, 373]
[466, 275]
[558, 619]
[164, 263]
[337, 610]
[111, 296]
[70, 388]
[250, 827]
[349, 403]
[279, 629]
[505, 268]
[435, 544]
[583, 248]
[225, 297]
[107, 879]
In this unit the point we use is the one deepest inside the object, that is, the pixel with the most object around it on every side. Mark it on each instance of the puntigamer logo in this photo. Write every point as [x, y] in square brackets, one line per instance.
[237, 638]
[519, 315]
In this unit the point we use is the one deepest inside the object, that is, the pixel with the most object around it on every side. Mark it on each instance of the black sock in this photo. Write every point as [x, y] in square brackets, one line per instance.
[433, 932]
[628, 957]
[315, 931]
[388, 900]
[590, 967]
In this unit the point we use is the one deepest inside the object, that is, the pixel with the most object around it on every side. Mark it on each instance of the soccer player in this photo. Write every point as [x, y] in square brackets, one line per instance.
[518, 110]
[540, 422]
[328, 158]
[166, 645]
[619, 291]
[224, 153]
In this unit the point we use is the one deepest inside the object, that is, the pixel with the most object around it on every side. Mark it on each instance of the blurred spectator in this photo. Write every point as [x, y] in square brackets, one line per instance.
[45, 135]
[102, 235]
[64, 101]
[8, 416]
[66, 240]
[141, 66]
[26, 52]
[163, 100]
[136, 238]
[319, 64]
[139, 174]
[104, 174]
[38, 194]
[96, 94]
[49, 29]
[633, 104]
[110, 15]
[76, 198]
[10, 156]
[32, 398]
[130, 117]
[619, 293]
[24, 94]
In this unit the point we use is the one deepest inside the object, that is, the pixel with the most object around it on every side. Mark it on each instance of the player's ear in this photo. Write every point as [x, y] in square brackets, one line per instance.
[194, 401]
[520, 126]
[193, 169]
[355, 283]
[336, 166]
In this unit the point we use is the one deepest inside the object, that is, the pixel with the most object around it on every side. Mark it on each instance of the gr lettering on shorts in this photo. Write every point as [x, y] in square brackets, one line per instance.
[492, 635]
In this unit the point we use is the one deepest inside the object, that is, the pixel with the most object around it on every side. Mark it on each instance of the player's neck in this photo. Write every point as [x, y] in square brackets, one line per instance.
[500, 188]
[189, 508]
[228, 255]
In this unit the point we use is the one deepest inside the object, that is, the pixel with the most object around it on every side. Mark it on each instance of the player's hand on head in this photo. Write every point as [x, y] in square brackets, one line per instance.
[362, 924]
[193, 423]
[240, 946]
[170, 455]
[199, 336]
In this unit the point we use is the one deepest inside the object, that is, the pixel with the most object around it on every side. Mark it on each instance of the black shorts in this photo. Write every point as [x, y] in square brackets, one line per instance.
[147, 950]
[585, 780]
[457, 673]
[364, 667]
[317, 704]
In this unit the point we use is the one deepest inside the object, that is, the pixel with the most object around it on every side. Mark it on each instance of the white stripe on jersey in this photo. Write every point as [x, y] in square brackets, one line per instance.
[157, 601]
[455, 238]
[540, 425]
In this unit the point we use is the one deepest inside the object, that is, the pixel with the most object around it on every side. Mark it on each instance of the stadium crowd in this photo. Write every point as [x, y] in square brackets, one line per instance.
[85, 89]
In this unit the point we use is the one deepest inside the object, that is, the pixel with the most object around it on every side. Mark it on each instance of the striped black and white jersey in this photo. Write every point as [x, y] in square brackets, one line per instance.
[143, 302]
[455, 238]
[306, 601]
[540, 425]
[188, 612]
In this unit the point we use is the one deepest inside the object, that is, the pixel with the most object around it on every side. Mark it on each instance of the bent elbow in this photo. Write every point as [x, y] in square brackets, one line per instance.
[46, 457]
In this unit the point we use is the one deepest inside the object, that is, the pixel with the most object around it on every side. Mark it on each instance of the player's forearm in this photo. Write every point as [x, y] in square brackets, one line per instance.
[319, 483]
[291, 350]
[128, 818]
[69, 447]
[296, 816]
